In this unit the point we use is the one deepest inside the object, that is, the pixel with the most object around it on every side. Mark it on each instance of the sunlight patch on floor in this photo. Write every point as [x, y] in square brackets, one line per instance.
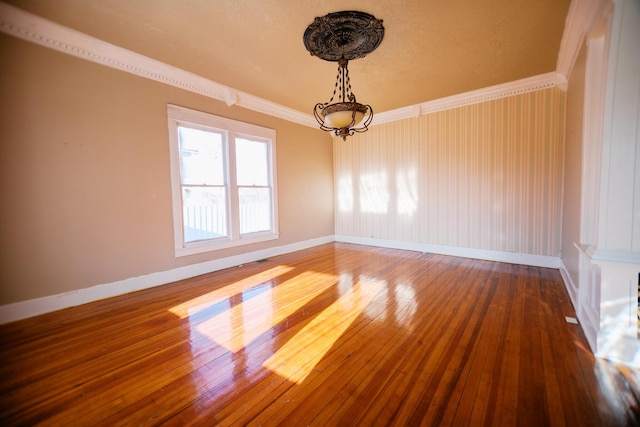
[246, 320]
[296, 359]
[202, 302]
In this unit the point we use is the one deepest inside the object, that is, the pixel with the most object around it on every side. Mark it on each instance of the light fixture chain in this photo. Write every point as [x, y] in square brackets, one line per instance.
[335, 88]
[333, 38]
[341, 82]
[348, 93]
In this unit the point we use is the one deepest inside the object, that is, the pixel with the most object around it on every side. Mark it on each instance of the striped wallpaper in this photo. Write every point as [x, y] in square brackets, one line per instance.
[485, 176]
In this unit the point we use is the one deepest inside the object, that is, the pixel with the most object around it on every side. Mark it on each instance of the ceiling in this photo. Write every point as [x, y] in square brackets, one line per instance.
[431, 48]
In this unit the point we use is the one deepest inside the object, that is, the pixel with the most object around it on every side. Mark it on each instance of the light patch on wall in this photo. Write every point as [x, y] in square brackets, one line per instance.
[407, 191]
[345, 193]
[374, 193]
[488, 177]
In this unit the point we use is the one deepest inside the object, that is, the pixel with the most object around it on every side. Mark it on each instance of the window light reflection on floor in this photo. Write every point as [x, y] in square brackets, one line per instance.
[247, 316]
[319, 335]
[247, 320]
[202, 302]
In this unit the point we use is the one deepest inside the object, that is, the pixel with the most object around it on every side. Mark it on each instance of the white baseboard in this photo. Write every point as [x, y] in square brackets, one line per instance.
[572, 290]
[590, 324]
[488, 255]
[37, 306]
[587, 320]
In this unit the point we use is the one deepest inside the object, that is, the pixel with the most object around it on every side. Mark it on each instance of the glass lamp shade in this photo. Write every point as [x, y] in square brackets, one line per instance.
[341, 115]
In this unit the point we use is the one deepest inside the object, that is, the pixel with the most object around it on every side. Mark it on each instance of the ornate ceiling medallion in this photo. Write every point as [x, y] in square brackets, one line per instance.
[343, 36]
[349, 35]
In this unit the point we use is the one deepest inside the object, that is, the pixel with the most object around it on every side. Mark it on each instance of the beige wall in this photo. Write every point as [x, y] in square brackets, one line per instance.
[85, 181]
[486, 176]
[573, 166]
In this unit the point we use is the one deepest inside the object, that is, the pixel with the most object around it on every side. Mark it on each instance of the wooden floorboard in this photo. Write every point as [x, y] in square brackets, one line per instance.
[337, 334]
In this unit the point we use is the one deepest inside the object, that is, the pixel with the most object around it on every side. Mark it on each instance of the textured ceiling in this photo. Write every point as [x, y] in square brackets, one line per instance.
[431, 48]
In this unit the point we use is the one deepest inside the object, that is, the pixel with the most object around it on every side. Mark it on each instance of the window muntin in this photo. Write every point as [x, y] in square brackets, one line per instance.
[223, 182]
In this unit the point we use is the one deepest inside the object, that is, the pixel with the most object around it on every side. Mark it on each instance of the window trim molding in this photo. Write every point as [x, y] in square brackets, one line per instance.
[177, 115]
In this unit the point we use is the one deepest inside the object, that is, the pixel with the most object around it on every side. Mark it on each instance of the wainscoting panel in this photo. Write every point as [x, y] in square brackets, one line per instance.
[485, 176]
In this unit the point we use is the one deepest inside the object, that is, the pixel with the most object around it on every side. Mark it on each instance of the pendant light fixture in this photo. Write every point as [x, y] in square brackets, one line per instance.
[341, 37]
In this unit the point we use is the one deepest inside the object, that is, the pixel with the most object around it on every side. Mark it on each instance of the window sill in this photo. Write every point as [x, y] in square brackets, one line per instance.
[201, 247]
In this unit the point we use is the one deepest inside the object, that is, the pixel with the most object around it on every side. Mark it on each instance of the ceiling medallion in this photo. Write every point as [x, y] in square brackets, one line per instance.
[340, 37]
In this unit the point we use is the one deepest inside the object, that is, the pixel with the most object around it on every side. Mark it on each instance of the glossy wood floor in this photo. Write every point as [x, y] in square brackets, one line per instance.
[334, 335]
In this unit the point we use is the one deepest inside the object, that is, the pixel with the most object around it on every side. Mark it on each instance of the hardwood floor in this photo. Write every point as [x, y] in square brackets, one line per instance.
[338, 334]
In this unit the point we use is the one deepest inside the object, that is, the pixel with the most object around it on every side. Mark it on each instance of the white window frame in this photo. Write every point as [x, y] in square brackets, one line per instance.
[180, 116]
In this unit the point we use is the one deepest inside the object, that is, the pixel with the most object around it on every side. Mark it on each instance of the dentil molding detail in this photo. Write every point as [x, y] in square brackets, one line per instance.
[35, 29]
[26, 26]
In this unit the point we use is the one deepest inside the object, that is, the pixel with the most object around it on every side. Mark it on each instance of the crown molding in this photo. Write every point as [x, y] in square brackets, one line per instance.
[518, 87]
[32, 28]
[409, 112]
[582, 17]
[26, 26]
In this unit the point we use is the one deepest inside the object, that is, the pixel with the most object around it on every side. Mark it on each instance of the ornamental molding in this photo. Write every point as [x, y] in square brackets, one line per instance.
[343, 35]
[491, 93]
[35, 29]
[582, 18]
[32, 28]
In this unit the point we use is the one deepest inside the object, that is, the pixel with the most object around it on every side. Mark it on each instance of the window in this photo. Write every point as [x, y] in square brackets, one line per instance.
[223, 182]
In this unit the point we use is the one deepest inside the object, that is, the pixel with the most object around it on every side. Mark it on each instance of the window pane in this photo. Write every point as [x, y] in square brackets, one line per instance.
[251, 162]
[201, 157]
[204, 213]
[255, 210]
[222, 182]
